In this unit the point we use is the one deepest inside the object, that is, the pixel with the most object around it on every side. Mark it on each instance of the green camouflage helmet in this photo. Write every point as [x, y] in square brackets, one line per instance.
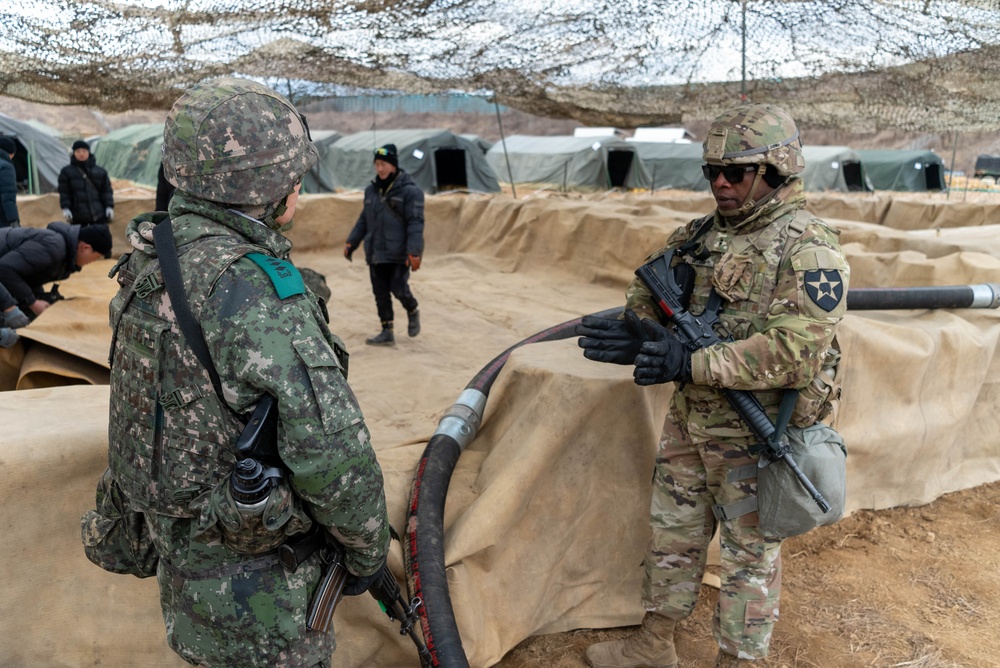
[236, 141]
[753, 134]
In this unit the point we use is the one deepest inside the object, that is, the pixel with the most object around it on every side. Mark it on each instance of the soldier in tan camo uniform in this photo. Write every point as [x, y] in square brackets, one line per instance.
[236, 151]
[783, 278]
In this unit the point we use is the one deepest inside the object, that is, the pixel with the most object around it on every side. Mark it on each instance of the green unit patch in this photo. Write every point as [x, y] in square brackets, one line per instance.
[286, 278]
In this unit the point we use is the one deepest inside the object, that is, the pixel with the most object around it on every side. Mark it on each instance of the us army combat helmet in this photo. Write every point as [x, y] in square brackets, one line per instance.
[235, 141]
[755, 134]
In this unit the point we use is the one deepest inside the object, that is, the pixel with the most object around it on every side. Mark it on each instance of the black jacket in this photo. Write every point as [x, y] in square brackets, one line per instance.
[391, 224]
[8, 192]
[31, 257]
[87, 200]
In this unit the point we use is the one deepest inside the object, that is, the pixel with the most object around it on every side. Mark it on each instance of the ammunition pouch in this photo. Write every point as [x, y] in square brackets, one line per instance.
[114, 536]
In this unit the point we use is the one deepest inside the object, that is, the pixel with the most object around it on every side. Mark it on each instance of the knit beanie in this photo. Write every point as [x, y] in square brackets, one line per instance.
[99, 238]
[79, 143]
[7, 145]
[388, 154]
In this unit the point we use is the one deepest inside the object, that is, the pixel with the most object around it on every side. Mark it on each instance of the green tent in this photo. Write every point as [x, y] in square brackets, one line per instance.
[320, 178]
[568, 163]
[131, 153]
[911, 171]
[672, 165]
[39, 158]
[438, 160]
[836, 168]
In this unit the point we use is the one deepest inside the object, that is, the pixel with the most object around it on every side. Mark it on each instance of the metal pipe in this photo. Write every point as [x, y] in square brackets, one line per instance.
[982, 295]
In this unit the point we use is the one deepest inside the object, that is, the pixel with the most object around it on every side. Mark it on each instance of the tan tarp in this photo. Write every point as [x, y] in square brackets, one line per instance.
[545, 519]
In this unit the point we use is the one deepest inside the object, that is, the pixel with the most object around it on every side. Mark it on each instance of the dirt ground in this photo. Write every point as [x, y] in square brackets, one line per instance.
[905, 587]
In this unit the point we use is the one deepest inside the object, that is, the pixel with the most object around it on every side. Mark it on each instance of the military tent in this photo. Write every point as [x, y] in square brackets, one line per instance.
[672, 164]
[131, 153]
[581, 163]
[438, 160]
[320, 178]
[39, 158]
[837, 168]
[912, 171]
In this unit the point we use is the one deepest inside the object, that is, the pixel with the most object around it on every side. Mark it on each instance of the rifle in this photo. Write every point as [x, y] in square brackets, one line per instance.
[697, 332]
[257, 450]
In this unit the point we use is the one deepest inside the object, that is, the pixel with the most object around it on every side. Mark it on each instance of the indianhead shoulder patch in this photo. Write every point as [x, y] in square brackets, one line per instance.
[825, 288]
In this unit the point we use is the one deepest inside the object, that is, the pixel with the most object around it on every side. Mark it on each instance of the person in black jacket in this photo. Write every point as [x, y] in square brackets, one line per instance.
[8, 184]
[85, 194]
[31, 257]
[392, 228]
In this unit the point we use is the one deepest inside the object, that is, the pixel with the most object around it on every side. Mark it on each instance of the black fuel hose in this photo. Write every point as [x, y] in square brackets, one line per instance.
[424, 545]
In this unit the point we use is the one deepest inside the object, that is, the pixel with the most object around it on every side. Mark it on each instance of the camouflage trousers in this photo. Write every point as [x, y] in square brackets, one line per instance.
[688, 480]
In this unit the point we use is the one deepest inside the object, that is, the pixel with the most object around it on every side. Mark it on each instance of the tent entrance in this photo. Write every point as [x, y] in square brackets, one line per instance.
[934, 175]
[853, 176]
[619, 166]
[449, 165]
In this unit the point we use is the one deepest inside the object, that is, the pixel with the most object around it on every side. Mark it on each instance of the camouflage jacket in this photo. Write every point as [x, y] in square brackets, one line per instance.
[783, 278]
[171, 439]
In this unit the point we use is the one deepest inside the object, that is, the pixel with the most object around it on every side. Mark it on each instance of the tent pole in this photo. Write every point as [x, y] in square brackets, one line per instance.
[951, 173]
[652, 186]
[743, 82]
[33, 186]
[510, 175]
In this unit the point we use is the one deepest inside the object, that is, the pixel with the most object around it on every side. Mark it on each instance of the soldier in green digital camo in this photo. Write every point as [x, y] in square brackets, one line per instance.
[783, 279]
[236, 151]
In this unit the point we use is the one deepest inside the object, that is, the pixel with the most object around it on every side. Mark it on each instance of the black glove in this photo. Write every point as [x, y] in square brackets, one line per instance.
[661, 359]
[614, 341]
[355, 585]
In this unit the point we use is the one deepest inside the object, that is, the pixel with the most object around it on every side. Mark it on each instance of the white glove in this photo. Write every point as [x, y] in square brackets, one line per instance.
[109, 213]
[68, 215]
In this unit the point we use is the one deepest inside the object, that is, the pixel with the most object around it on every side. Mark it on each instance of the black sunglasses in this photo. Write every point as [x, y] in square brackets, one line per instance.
[732, 173]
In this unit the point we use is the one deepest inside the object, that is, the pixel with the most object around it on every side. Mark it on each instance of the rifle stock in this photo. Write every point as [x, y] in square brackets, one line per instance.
[697, 332]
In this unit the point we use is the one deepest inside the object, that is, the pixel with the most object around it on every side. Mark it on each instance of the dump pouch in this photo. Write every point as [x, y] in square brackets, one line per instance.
[115, 537]
[784, 507]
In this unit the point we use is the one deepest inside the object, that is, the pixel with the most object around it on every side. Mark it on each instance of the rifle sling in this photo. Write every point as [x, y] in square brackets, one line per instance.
[170, 267]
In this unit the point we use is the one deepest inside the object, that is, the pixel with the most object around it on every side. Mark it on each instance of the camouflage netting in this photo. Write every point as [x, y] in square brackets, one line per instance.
[859, 65]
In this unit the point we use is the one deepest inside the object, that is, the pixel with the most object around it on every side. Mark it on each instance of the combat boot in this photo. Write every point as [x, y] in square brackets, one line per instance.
[651, 646]
[724, 660]
[413, 322]
[383, 338]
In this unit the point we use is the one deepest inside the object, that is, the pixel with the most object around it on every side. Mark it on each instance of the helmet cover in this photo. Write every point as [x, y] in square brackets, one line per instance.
[236, 141]
[755, 134]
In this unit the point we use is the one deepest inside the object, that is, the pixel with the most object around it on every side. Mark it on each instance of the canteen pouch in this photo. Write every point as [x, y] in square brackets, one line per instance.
[784, 506]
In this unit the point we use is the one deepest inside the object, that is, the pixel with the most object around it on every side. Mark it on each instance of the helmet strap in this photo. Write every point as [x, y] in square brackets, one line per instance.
[279, 211]
[749, 203]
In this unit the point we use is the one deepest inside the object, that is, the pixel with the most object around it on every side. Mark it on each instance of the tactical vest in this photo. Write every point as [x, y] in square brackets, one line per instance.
[170, 435]
[743, 268]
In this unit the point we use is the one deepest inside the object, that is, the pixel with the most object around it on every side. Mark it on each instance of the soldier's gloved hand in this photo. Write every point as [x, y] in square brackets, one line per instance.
[413, 262]
[661, 359]
[68, 215]
[109, 213]
[15, 318]
[611, 340]
[348, 252]
[355, 585]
